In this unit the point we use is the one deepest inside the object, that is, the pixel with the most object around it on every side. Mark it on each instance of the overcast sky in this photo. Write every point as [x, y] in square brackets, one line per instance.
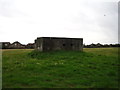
[96, 21]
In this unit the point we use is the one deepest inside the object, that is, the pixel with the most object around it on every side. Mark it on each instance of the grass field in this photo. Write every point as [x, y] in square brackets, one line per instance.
[93, 68]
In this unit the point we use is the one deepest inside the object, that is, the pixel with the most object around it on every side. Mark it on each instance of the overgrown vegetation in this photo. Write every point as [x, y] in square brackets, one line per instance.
[93, 68]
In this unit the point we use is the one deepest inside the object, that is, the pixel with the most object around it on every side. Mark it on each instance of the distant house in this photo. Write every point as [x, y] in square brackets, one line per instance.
[58, 43]
[30, 46]
[99, 45]
[92, 45]
[4, 45]
[16, 45]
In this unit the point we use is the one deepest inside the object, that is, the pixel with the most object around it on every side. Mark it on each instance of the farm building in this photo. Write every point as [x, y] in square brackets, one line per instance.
[57, 43]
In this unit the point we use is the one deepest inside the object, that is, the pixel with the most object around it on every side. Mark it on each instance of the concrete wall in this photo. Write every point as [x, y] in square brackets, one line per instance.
[54, 43]
[39, 44]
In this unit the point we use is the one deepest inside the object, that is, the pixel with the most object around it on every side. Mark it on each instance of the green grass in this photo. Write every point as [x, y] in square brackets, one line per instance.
[93, 68]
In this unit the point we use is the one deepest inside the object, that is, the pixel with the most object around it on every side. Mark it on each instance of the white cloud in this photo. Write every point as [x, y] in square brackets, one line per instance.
[25, 20]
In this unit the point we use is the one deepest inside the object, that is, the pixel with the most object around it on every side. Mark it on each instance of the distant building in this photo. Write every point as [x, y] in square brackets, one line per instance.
[99, 45]
[57, 43]
[16, 45]
[5, 45]
[30, 46]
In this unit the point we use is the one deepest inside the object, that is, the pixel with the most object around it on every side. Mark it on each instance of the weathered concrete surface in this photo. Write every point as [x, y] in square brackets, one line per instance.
[57, 43]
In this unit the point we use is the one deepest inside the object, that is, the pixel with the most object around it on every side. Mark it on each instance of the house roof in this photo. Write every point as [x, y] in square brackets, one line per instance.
[58, 38]
[16, 42]
[5, 42]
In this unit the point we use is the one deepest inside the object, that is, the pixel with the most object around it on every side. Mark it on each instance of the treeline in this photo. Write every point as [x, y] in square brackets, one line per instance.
[98, 45]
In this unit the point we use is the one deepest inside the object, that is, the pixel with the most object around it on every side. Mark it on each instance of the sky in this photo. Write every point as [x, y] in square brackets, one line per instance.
[96, 21]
